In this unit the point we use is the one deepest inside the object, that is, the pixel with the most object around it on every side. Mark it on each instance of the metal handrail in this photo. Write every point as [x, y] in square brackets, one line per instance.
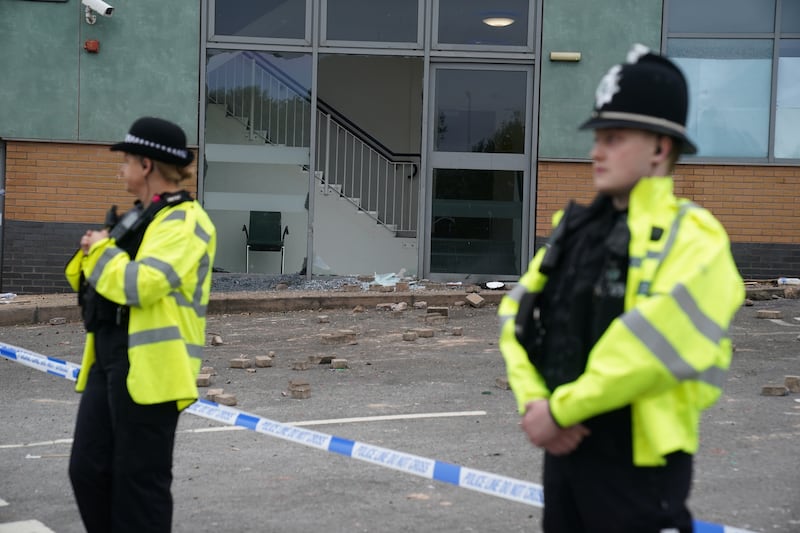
[274, 109]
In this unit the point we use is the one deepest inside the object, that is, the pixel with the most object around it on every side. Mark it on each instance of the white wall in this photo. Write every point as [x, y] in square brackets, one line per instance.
[352, 243]
[383, 95]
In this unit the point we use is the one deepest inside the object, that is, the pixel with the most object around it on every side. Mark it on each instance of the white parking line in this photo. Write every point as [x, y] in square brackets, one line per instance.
[42, 443]
[781, 322]
[300, 423]
[26, 526]
[329, 421]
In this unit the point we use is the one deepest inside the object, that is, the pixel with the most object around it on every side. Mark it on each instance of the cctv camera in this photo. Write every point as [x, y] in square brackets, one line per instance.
[99, 6]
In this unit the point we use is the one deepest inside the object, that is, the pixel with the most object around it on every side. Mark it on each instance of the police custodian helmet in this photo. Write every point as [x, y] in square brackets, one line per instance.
[648, 93]
[157, 139]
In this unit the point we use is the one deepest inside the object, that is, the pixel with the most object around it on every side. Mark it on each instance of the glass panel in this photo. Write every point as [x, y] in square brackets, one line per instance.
[367, 163]
[477, 22]
[277, 19]
[721, 16]
[729, 94]
[372, 20]
[477, 221]
[480, 111]
[790, 16]
[787, 114]
[257, 143]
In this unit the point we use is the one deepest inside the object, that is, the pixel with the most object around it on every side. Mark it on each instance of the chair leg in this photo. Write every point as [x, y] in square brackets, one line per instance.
[283, 249]
[247, 260]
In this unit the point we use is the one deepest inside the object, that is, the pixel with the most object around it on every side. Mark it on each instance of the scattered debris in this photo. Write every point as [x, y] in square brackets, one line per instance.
[339, 363]
[423, 333]
[240, 362]
[774, 390]
[343, 336]
[203, 380]
[225, 399]
[792, 383]
[502, 383]
[299, 389]
[263, 361]
[768, 313]
[211, 394]
[300, 365]
[475, 301]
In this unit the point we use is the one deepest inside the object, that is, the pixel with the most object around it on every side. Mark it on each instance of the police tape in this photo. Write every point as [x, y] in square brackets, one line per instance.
[485, 482]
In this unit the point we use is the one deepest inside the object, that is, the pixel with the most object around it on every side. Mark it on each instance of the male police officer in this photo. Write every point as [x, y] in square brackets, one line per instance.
[616, 338]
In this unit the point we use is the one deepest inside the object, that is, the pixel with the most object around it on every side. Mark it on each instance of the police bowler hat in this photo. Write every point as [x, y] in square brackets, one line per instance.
[157, 139]
[648, 93]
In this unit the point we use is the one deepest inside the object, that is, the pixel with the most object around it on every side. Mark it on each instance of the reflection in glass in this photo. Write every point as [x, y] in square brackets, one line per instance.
[477, 22]
[477, 221]
[721, 16]
[729, 94]
[372, 20]
[787, 113]
[276, 19]
[256, 145]
[269, 93]
[480, 111]
[790, 16]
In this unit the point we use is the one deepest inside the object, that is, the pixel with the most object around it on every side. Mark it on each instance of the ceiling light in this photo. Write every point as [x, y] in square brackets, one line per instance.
[498, 22]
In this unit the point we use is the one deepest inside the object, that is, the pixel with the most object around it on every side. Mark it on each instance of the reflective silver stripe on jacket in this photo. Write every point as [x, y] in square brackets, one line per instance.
[107, 255]
[171, 333]
[150, 336]
[702, 322]
[202, 234]
[165, 268]
[644, 287]
[131, 284]
[195, 350]
[178, 214]
[516, 295]
[666, 353]
[637, 261]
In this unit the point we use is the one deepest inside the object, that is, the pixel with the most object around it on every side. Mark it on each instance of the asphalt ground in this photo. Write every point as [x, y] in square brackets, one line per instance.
[746, 471]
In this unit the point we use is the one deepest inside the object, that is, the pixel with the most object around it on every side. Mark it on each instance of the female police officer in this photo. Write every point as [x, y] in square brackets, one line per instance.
[616, 337]
[144, 286]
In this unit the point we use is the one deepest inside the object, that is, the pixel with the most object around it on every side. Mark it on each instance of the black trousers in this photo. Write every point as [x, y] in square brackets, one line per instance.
[121, 461]
[588, 493]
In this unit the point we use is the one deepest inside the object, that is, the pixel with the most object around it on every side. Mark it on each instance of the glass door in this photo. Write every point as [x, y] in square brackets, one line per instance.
[479, 153]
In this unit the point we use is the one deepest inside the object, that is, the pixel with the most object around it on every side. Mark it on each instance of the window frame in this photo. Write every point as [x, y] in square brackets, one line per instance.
[215, 38]
[775, 36]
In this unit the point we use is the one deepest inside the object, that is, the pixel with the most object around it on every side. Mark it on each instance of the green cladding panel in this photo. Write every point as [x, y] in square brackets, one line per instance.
[602, 32]
[39, 63]
[147, 64]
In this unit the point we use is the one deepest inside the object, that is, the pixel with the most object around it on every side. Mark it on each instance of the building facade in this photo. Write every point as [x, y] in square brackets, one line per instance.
[340, 137]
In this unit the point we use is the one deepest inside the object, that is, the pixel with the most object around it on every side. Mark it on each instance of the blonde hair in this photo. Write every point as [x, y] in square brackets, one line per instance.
[171, 172]
[174, 173]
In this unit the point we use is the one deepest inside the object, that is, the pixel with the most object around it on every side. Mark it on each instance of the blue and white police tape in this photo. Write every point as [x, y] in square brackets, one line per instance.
[492, 484]
[51, 365]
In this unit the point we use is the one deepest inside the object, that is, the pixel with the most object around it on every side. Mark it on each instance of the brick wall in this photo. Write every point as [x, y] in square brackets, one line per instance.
[54, 192]
[758, 205]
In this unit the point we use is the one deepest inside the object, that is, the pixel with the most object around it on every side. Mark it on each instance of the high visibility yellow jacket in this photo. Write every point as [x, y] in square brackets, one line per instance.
[167, 288]
[666, 356]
